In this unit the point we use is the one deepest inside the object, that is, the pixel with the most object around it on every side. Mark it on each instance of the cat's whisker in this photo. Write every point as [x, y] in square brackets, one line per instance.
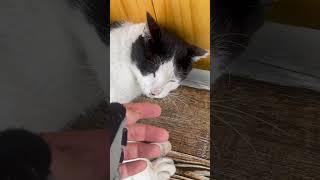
[225, 100]
[215, 148]
[172, 99]
[231, 43]
[254, 117]
[175, 105]
[177, 98]
[239, 133]
[232, 34]
[173, 93]
[215, 111]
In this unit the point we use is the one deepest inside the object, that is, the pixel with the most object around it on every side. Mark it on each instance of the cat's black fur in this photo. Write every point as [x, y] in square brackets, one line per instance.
[116, 24]
[232, 25]
[150, 51]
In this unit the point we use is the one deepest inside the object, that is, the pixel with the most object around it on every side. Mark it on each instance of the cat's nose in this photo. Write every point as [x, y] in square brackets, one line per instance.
[155, 92]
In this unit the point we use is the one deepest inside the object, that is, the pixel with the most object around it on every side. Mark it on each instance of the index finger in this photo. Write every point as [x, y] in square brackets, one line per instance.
[136, 111]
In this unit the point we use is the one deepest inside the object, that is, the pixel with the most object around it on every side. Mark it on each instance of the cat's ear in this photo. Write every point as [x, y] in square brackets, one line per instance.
[152, 30]
[197, 53]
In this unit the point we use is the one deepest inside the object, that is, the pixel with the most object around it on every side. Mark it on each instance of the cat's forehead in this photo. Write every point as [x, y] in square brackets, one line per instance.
[166, 69]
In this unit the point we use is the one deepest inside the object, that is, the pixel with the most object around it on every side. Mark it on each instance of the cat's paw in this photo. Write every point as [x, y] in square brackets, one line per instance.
[159, 169]
[163, 168]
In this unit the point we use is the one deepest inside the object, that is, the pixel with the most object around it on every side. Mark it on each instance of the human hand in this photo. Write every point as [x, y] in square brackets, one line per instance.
[142, 135]
[82, 155]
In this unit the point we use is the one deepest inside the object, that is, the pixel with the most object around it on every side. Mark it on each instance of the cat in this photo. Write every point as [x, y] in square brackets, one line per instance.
[147, 59]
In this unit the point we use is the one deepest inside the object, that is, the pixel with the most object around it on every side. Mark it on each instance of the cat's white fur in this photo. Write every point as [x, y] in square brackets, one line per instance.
[126, 80]
[159, 169]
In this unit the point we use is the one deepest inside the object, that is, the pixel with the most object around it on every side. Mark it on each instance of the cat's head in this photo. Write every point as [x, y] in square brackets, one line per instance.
[161, 60]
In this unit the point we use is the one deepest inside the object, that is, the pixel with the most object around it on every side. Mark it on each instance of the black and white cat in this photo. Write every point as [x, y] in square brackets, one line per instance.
[146, 59]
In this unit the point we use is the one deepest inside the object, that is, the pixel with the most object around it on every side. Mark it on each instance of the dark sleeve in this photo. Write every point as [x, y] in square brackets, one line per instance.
[115, 120]
[23, 155]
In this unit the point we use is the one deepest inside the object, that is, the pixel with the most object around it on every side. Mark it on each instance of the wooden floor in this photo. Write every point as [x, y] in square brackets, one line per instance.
[264, 131]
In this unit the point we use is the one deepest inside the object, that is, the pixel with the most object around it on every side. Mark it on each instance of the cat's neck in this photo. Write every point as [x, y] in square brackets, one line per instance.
[123, 37]
[121, 40]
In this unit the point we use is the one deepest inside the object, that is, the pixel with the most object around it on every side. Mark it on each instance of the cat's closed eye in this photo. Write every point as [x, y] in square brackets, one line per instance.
[172, 80]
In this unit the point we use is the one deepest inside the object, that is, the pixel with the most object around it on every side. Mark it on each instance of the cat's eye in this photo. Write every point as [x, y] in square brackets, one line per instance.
[172, 80]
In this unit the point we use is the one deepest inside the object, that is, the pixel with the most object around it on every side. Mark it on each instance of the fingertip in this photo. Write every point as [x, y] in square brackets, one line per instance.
[132, 168]
[165, 135]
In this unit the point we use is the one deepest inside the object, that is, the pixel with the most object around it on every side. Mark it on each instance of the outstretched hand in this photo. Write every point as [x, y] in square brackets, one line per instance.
[141, 133]
[82, 155]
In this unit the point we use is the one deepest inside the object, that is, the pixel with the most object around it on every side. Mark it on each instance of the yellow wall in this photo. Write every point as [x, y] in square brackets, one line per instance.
[296, 12]
[189, 18]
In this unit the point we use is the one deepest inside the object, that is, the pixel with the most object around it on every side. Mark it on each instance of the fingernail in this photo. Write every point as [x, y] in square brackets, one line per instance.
[124, 141]
[121, 157]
